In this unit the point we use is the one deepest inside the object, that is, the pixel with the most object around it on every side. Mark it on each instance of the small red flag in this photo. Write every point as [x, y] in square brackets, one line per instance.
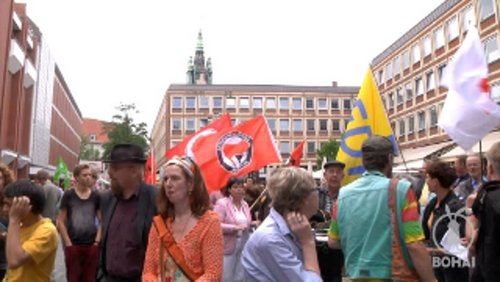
[296, 155]
[150, 169]
[185, 147]
[235, 152]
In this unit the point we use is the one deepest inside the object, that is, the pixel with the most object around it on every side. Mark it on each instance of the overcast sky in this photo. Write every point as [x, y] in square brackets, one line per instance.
[112, 51]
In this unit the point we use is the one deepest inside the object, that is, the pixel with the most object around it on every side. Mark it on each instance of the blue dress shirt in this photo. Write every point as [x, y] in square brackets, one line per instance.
[273, 254]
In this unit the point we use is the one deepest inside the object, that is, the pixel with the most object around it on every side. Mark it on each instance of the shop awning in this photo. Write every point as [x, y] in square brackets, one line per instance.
[487, 142]
[418, 154]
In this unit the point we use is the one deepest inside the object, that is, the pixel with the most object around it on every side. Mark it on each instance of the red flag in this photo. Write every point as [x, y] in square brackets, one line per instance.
[185, 147]
[296, 155]
[150, 169]
[235, 151]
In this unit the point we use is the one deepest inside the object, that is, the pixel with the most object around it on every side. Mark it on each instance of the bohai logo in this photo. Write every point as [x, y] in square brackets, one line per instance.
[453, 252]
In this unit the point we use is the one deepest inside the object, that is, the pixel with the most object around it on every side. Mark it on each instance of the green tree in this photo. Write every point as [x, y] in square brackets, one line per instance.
[122, 129]
[87, 150]
[328, 150]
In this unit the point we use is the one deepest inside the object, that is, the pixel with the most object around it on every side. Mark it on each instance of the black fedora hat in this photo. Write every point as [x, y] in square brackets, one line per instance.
[126, 153]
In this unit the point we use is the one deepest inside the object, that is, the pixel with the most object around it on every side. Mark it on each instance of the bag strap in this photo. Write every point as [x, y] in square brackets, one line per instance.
[173, 250]
[399, 264]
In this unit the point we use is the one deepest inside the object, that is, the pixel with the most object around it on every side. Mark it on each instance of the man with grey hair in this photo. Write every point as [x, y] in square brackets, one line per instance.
[486, 209]
[363, 221]
[53, 195]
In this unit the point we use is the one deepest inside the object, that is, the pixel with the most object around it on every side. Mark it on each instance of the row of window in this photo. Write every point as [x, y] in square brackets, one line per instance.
[297, 103]
[285, 124]
[409, 122]
[429, 43]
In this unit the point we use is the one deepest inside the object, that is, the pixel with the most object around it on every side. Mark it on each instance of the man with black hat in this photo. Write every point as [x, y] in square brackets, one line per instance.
[330, 260]
[363, 221]
[127, 211]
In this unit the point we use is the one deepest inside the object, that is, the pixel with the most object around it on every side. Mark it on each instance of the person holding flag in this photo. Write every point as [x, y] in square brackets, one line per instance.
[62, 170]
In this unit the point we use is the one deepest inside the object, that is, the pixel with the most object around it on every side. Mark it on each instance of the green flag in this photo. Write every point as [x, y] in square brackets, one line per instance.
[62, 169]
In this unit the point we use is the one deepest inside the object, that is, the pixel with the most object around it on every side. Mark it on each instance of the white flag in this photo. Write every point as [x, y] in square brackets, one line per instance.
[468, 113]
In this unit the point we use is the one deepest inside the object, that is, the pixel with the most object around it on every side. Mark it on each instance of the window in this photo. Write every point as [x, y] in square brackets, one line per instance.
[203, 122]
[174, 143]
[323, 125]
[347, 104]
[384, 103]
[453, 31]
[495, 93]
[297, 125]
[297, 103]
[439, 38]
[411, 124]
[434, 116]
[431, 84]
[92, 137]
[190, 124]
[283, 103]
[310, 103]
[284, 125]
[397, 65]
[322, 104]
[421, 121]
[270, 103]
[217, 102]
[486, 9]
[406, 59]
[409, 91]
[427, 46]
[176, 124]
[416, 53]
[230, 102]
[391, 100]
[401, 127]
[388, 71]
[380, 76]
[441, 70]
[272, 124]
[335, 104]
[419, 89]
[190, 102]
[285, 147]
[244, 103]
[203, 102]
[311, 125]
[335, 125]
[468, 18]
[491, 49]
[399, 95]
[311, 147]
[257, 102]
[177, 103]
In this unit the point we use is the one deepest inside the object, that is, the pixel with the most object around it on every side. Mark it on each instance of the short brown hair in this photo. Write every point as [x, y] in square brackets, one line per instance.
[78, 169]
[443, 172]
[199, 198]
[289, 187]
[493, 156]
[8, 176]
[42, 175]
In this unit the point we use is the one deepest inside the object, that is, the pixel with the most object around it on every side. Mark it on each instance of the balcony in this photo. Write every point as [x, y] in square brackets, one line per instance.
[29, 74]
[16, 57]
[7, 156]
[17, 24]
[22, 161]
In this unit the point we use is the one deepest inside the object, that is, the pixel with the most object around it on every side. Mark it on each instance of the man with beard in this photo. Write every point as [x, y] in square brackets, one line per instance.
[127, 211]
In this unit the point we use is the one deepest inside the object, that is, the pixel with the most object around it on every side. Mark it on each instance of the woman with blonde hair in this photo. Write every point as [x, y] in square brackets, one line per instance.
[185, 241]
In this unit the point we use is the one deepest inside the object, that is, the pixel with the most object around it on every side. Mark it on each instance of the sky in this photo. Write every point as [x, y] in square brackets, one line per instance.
[121, 51]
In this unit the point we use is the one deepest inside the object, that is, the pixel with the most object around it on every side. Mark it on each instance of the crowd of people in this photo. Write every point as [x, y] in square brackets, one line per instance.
[441, 225]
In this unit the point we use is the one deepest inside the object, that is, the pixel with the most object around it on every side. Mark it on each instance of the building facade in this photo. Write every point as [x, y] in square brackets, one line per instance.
[410, 70]
[40, 120]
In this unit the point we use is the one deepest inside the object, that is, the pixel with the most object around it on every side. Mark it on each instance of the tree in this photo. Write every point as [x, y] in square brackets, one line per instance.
[87, 150]
[328, 150]
[122, 129]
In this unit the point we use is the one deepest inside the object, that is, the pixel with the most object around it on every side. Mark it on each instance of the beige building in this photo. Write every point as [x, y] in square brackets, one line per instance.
[409, 72]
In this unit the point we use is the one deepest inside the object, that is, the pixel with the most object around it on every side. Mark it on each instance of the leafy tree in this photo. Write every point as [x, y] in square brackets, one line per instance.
[328, 150]
[122, 129]
[87, 151]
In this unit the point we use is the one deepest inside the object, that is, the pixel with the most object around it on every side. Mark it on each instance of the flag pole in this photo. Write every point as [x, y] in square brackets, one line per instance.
[481, 160]
[387, 115]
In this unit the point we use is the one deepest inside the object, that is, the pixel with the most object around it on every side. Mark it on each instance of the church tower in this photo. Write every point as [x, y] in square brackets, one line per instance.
[198, 72]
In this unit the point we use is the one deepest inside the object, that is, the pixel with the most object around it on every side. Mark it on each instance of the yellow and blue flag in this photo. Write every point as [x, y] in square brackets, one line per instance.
[368, 118]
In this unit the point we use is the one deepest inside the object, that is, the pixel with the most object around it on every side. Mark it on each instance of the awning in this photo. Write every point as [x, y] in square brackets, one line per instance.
[418, 154]
[411, 167]
[487, 142]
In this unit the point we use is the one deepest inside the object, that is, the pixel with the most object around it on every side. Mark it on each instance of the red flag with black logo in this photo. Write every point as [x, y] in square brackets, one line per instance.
[234, 152]
[296, 155]
[150, 169]
[185, 147]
